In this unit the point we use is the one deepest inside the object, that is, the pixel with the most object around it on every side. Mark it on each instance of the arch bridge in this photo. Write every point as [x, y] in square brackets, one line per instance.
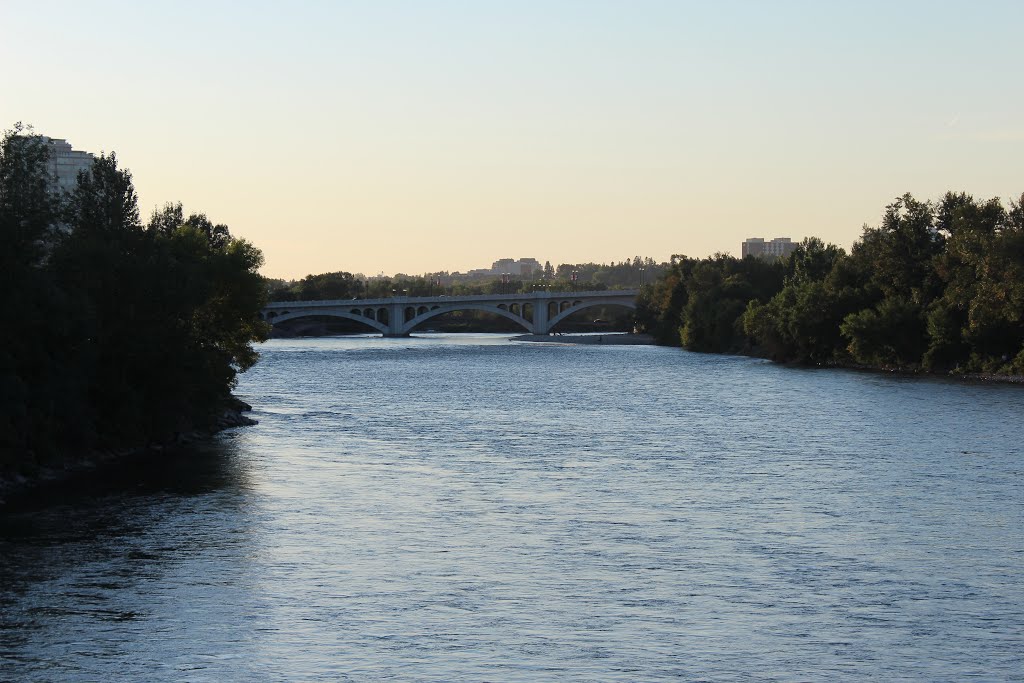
[536, 312]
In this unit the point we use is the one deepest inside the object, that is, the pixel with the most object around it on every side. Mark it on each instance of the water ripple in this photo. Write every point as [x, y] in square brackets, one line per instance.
[465, 508]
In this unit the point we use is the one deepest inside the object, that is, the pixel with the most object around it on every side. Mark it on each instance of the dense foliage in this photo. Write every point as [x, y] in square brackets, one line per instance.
[938, 286]
[116, 334]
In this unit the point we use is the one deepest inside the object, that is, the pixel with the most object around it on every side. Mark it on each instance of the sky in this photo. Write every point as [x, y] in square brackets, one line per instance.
[414, 137]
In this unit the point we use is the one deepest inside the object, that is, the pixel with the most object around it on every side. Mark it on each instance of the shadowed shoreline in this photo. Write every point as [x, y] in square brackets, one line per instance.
[18, 488]
[614, 338]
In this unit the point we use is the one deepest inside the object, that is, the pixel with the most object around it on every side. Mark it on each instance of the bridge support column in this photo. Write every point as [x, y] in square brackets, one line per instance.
[540, 315]
[396, 320]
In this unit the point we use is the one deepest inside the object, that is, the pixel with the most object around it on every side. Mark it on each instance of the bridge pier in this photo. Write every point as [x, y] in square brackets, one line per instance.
[540, 316]
[396, 320]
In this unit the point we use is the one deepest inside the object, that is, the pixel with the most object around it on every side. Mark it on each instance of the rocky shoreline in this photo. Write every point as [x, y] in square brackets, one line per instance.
[19, 486]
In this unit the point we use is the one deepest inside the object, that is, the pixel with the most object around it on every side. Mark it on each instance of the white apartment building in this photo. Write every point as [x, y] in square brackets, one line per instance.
[65, 163]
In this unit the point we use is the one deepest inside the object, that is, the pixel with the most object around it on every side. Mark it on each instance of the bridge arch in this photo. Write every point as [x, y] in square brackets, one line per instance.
[396, 316]
[468, 306]
[583, 305]
[332, 313]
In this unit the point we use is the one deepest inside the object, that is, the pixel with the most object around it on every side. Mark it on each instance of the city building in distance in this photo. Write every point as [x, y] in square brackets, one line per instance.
[65, 163]
[508, 266]
[780, 247]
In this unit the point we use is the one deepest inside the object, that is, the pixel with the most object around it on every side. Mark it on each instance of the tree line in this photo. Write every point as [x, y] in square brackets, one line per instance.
[117, 333]
[937, 286]
[628, 274]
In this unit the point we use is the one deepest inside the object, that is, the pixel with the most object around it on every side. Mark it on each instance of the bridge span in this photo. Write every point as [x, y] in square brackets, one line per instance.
[536, 312]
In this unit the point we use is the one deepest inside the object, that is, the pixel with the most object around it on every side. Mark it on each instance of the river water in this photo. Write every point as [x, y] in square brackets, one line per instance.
[464, 507]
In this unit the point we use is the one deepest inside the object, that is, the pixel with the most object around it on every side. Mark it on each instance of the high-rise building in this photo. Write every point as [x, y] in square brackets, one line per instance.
[65, 163]
[753, 246]
[777, 248]
[524, 266]
[528, 266]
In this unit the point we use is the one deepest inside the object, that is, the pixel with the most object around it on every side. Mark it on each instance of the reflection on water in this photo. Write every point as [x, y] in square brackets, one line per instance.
[79, 565]
[465, 508]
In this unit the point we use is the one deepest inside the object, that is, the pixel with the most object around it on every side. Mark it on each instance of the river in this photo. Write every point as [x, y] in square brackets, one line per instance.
[464, 507]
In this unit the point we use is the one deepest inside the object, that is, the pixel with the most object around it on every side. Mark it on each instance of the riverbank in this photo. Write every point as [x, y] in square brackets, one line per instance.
[614, 338]
[21, 485]
[1000, 379]
[978, 377]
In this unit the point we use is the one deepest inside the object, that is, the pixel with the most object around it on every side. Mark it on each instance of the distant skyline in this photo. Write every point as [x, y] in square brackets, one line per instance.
[427, 136]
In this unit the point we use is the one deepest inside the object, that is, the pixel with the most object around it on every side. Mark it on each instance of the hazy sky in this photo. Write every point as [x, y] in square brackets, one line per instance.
[422, 136]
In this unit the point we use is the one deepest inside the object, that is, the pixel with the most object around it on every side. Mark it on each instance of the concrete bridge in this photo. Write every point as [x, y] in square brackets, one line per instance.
[537, 312]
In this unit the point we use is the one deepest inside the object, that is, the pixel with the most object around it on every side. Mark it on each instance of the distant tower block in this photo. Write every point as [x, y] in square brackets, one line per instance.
[753, 247]
[65, 163]
[780, 247]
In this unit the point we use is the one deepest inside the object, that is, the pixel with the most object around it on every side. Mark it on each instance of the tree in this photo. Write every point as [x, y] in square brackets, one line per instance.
[124, 335]
[104, 202]
[899, 255]
[936, 285]
[34, 383]
[28, 207]
[891, 334]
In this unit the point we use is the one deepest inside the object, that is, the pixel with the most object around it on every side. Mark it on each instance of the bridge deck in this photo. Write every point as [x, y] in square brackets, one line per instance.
[397, 316]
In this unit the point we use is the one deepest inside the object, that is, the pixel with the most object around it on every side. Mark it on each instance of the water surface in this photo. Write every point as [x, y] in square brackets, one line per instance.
[462, 507]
